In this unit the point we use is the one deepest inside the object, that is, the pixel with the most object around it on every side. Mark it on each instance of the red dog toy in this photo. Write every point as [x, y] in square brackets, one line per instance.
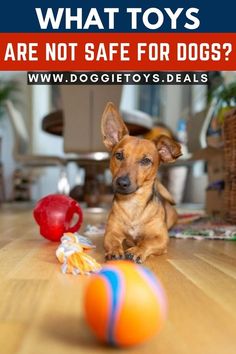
[54, 214]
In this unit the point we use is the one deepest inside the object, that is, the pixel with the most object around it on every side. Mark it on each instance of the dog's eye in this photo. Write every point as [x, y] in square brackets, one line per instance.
[119, 156]
[145, 161]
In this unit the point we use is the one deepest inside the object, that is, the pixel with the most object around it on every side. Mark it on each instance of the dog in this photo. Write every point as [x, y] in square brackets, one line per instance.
[142, 209]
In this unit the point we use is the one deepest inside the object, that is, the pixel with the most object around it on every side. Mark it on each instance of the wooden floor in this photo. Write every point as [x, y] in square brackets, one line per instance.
[41, 312]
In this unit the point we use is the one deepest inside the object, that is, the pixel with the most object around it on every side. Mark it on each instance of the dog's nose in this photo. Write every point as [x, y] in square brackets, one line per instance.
[123, 182]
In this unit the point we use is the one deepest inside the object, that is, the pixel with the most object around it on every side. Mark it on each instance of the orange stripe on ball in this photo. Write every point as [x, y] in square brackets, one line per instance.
[96, 304]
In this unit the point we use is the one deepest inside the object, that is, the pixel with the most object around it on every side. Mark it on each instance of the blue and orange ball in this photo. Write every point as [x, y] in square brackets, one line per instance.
[124, 304]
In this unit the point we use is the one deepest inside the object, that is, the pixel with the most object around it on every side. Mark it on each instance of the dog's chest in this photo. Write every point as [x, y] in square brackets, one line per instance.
[133, 231]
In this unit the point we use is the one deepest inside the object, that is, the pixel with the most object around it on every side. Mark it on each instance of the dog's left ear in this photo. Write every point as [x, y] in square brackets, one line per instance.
[113, 127]
[168, 149]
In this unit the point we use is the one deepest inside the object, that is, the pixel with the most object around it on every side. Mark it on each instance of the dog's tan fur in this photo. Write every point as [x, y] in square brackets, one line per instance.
[142, 212]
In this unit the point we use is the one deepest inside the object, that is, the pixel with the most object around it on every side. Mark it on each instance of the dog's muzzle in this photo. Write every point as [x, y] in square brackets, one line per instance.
[123, 185]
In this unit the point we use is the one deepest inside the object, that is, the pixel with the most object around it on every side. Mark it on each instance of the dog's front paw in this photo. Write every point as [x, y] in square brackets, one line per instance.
[134, 254]
[114, 255]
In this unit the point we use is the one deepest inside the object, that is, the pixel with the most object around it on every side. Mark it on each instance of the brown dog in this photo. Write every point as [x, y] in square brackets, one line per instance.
[142, 210]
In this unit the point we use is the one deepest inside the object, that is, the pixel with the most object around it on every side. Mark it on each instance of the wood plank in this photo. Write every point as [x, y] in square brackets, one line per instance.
[11, 335]
[20, 299]
[226, 265]
[217, 285]
[192, 324]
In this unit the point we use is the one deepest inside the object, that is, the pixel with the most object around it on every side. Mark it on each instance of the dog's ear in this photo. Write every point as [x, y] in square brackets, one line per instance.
[168, 149]
[113, 127]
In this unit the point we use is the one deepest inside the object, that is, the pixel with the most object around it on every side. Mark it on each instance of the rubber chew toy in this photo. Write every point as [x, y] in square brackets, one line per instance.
[71, 253]
[54, 215]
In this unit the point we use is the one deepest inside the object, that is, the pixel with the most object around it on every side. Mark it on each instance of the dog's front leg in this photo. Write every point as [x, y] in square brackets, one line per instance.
[148, 246]
[113, 244]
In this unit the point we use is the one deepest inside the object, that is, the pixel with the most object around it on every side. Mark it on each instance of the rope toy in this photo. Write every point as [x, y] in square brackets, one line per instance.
[71, 253]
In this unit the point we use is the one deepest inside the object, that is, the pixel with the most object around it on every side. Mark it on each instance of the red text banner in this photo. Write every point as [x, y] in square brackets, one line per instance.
[117, 51]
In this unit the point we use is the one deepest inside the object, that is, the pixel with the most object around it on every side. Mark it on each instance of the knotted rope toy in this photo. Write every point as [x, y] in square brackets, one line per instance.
[71, 253]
